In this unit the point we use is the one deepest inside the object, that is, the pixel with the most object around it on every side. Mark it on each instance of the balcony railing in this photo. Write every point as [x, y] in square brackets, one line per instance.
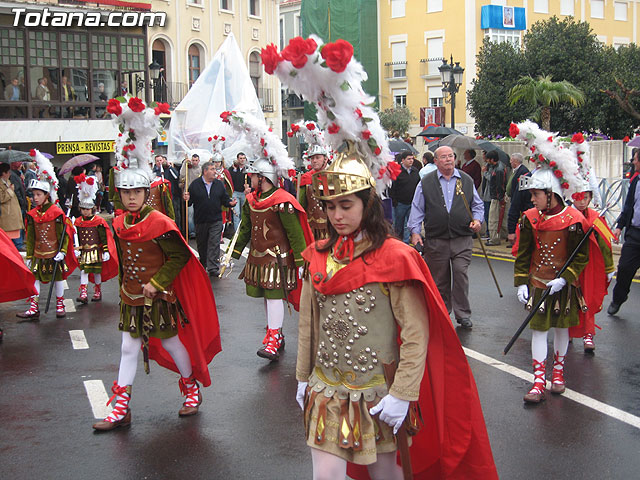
[265, 96]
[395, 71]
[291, 101]
[429, 67]
[169, 92]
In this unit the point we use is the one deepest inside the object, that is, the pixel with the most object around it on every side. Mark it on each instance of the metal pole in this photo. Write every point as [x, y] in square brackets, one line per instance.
[452, 90]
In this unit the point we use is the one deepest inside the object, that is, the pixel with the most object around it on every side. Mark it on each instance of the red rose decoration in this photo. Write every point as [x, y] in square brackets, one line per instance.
[225, 116]
[377, 151]
[78, 178]
[577, 138]
[162, 108]
[210, 139]
[289, 134]
[366, 134]
[264, 152]
[114, 107]
[297, 50]
[564, 185]
[578, 195]
[541, 158]
[358, 113]
[532, 148]
[549, 139]
[291, 172]
[32, 152]
[394, 168]
[514, 130]
[558, 173]
[90, 181]
[333, 129]
[337, 55]
[262, 142]
[311, 126]
[552, 164]
[270, 58]
[136, 104]
[222, 139]
[295, 128]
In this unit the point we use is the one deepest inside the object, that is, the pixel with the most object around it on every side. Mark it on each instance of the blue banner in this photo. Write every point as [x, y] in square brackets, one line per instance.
[503, 18]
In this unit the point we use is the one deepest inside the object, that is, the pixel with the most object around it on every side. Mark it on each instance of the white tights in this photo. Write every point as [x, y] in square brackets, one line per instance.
[59, 288]
[275, 312]
[84, 278]
[539, 343]
[327, 466]
[129, 357]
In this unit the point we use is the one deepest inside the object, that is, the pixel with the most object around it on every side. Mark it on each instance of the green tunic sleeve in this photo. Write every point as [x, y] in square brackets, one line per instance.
[177, 254]
[245, 231]
[102, 233]
[525, 250]
[114, 196]
[167, 202]
[31, 236]
[303, 196]
[607, 254]
[292, 226]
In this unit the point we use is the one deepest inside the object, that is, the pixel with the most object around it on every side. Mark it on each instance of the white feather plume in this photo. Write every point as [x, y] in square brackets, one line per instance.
[87, 190]
[45, 173]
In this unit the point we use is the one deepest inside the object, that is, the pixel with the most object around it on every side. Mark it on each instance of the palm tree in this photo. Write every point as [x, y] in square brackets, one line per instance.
[544, 93]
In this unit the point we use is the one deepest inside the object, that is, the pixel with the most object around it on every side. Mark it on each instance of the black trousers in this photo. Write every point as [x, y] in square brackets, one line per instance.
[627, 265]
[208, 236]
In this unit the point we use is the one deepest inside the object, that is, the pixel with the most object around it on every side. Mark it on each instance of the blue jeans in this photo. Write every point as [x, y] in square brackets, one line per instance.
[401, 216]
[237, 210]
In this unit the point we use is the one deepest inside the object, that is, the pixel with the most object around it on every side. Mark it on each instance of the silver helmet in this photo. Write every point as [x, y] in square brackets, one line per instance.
[541, 179]
[129, 178]
[39, 185]
[265, 168]
[316, 150]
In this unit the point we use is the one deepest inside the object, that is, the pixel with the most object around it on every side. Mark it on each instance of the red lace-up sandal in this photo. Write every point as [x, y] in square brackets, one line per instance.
[189, 388]
[273, 342]
[589, 346]
[536, 394]
[557, 382]
[60, 311]
[97, 293]
[84, 296]
[33, 312]
[120, 416]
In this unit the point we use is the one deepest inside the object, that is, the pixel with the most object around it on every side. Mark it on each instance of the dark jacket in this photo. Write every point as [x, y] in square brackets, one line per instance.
[207, 208]
[403, 187]
[19, 189]
[172, 175]
[498, 182]
[474, 170]
[624, 220]
[520, 199]
[238, 177]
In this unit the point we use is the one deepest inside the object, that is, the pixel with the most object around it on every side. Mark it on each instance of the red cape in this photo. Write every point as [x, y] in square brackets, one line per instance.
[109, 268]
[16, 281]
[282, 196]
[53, 212]
[453, 443]
[593, 281]
[201, 336]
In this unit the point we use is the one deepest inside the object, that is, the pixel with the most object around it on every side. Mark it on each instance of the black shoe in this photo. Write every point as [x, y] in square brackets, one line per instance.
[613, 308]
[465, 322]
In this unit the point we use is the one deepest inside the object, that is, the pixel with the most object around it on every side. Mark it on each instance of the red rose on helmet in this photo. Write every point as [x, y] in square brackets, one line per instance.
[225, 116]
[577, 138]
[298, 49]
[295, 128]
[377, 151]
[32, 152]
[291, 172]
[558, 173]
[270, 58]
[136, 104]
[564, 185]
[114, 107]
[289, 134]
[311, 126]
[162, 108]
[514, 130]
[333, 129]
[552, 164]
[366, 134]
[337, 55]
[358, 113]
[90, 181]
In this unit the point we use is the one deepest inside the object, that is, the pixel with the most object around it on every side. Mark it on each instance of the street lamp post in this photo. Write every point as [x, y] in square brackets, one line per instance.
[451, 76]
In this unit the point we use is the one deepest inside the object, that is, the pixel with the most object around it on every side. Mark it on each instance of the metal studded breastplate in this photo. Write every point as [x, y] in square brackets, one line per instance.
[316, 215]
[46, 239]
[140, 261]
[549, 257]
[357, 335]
[89, 242]
[155, 199]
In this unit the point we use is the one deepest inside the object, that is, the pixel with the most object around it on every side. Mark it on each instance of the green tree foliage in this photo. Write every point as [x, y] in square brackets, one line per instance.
[499, 67]
[543, 93]
[396, 121]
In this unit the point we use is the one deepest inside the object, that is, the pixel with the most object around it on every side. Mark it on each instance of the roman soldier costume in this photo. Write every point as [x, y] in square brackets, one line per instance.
[96, 248]
[177, 325]
[46, 244]
[160, 197]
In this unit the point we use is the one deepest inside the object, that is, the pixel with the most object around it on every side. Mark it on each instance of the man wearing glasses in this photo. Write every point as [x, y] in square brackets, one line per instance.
[448, 229]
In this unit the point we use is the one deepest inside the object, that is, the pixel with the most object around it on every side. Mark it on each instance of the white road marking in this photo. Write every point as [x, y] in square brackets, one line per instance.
[78, 340]
[596, 405]
[97, 398]
[69, 306]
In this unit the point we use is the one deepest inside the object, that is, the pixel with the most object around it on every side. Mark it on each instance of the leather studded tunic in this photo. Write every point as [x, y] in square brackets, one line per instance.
[316, 215]
[90, 245]
[548, 259]
[155, 199]
[46, 240]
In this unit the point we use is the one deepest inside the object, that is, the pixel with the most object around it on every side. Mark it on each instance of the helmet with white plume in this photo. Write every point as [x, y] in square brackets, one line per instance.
[46, 179]
[87, 190]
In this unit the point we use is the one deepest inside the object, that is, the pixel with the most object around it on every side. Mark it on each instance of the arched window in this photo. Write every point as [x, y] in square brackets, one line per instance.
[194, 64]
[255, 72]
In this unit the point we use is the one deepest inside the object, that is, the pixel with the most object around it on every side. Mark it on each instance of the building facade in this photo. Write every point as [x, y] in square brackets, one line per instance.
[415, 37]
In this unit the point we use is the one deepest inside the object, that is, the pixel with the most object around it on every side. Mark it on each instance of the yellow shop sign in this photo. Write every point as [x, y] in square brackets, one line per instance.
[75, 148]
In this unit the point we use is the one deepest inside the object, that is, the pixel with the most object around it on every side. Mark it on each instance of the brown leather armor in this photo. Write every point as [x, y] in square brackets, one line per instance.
[155, 198]
[89, 243]
[46, 240]
[549, 258]
[267, 232]
[316, 215]
[140, 261]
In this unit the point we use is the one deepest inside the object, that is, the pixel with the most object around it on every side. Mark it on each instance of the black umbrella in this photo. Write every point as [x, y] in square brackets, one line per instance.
[489, 147]
[433, 145]
[439, 132]
[10, 156]
[396, 146]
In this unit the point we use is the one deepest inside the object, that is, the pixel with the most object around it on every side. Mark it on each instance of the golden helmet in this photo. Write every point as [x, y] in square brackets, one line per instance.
[347, 174]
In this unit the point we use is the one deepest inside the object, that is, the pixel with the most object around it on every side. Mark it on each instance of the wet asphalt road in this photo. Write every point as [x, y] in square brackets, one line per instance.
[249, 425]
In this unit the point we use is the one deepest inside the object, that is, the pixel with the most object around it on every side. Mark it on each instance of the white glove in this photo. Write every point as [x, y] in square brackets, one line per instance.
[77, 253]
[392, 411]
[523, 294]
[610, 276]
[302, 388]
[59, 257]
[28, 263]
[300, 271]
[556, 285]
[106, 257]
